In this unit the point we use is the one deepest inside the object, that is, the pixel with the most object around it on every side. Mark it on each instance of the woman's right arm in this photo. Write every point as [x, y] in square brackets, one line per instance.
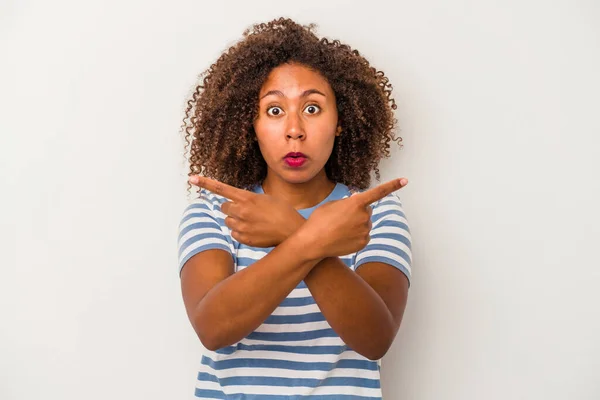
[224, 307]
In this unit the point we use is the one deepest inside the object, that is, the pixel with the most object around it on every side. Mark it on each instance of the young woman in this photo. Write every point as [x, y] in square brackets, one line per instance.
[294, 275]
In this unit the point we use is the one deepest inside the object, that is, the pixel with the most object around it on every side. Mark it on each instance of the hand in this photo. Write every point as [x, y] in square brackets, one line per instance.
[257, 220]
[342, 227]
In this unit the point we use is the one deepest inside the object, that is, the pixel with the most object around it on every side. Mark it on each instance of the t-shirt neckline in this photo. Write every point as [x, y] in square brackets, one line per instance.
[336, 194]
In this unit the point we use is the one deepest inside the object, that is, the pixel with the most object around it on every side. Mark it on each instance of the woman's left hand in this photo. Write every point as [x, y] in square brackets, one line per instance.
[257, 220]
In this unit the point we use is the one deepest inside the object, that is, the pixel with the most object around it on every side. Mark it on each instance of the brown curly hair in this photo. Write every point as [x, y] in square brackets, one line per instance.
[218, 122]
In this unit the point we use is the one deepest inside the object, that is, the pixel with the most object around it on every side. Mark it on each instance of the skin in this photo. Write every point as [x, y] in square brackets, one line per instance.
[375, 295]
[297, 113]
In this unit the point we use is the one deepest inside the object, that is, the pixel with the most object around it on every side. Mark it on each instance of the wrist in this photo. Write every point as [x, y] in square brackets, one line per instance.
[311, 251]
[290, 228]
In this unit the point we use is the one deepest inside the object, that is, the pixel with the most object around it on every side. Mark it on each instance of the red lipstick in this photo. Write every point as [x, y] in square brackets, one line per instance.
[295, 159]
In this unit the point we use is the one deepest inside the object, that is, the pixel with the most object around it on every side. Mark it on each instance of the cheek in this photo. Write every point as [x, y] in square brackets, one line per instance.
[327, 133]
[266, 128]
[265, 133]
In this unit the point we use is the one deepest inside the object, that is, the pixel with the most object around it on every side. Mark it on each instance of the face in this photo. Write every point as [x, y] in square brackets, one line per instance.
[297, 114]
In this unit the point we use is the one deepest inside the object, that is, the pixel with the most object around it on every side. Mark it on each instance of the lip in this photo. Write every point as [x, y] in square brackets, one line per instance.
[295, 160]
[295, 154]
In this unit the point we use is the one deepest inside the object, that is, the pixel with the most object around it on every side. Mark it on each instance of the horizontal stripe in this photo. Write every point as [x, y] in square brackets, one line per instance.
[200, 218]
[203, 245]
[286, 373]
[323, 341]
[279, 354]
[389, 209]
[205, 237]
[245, 395]
[385, 249]
[393, 235]
[249, 391]
[200, 231]
[306, 327]
[289, 336]
[295, 319]
[377, 219]
[284, 364]
[383, 256]
[294, 352]
[297, 310]
[388, 243]
[300, 291]
[277, 381]
[254, 254]
[209, 394]
[298, 301]
[198, 206]
[284, 348]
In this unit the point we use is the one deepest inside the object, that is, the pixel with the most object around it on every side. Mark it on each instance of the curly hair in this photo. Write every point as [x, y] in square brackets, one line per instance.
[218, 122]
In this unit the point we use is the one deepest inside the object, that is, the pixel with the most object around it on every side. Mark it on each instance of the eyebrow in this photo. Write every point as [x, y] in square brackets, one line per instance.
[304, 94]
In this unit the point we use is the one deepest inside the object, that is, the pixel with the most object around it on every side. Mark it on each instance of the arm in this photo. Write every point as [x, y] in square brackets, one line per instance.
[375, 294]
[365, 308]
[218, 312]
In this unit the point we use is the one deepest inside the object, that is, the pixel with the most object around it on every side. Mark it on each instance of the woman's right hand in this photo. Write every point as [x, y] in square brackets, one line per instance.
[343, 227]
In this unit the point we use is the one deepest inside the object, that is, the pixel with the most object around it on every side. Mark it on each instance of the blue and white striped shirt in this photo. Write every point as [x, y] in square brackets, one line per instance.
[294, 353]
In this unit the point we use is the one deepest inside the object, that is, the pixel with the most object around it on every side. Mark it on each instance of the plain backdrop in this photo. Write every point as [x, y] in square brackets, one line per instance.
[498, 108]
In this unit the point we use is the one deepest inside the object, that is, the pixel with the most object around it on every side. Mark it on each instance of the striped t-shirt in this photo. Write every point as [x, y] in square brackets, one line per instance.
[294, 353]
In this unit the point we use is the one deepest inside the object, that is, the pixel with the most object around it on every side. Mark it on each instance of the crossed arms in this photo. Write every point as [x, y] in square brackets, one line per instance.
[364, 308]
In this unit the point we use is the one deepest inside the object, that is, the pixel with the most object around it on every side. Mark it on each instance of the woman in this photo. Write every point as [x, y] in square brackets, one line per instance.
[294, 276]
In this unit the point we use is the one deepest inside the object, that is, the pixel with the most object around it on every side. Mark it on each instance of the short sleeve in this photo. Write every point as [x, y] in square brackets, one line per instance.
[390, 237]
[200, 229]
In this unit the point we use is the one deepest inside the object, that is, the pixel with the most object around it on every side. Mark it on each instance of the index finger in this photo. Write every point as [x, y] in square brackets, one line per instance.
[219, 188]
[379, 192]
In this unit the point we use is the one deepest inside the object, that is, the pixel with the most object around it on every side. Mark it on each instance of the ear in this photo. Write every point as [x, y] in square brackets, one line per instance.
[338, 131]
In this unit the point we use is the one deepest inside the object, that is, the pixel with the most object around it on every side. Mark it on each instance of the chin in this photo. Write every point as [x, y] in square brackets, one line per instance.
[297, 177]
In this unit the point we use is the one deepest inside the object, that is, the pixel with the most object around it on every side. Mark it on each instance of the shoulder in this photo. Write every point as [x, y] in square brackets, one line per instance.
[205, 206]
[206, 199]
[391, 200]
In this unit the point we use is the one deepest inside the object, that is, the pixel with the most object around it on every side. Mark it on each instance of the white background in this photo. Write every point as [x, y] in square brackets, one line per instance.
[499, 115]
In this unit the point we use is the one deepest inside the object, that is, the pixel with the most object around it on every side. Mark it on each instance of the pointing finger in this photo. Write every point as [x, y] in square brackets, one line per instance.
[379, 192]
[219, 188]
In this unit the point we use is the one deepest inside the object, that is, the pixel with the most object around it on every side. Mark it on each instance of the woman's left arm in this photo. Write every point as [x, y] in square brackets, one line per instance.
[365, 307]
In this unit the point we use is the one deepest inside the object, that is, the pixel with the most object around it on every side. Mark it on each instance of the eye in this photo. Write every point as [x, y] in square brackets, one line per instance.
[312, 109]
[274, 111]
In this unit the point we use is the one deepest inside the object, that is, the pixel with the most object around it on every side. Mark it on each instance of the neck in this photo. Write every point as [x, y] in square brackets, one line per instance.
[299, 195]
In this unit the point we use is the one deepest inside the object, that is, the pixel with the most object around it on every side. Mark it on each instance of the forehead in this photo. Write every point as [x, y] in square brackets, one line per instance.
[292, 79]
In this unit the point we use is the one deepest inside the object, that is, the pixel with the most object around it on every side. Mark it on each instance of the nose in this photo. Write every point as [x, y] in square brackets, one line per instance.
[295, 128]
